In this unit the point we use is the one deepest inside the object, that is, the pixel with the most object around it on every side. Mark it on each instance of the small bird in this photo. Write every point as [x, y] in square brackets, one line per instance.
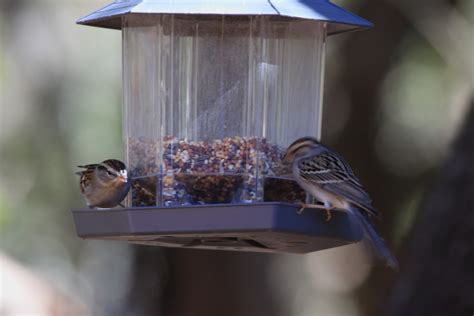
[325, 175]
[104, 185]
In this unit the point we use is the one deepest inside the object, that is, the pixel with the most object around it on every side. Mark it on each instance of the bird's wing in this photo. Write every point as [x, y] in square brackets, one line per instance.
[89, 169]
[86, 178]
[91, 166]
[331, 172]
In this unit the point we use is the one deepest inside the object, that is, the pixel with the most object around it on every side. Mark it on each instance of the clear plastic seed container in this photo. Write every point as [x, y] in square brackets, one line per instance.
[211, 102]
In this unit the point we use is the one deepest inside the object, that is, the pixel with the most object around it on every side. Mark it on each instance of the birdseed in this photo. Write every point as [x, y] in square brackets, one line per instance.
[229, 170]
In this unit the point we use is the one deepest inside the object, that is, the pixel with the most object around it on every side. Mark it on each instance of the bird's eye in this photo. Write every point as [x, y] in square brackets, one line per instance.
[109, 173]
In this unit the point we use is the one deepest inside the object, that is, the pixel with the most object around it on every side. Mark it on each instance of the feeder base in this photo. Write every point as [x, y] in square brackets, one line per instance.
[259, 227]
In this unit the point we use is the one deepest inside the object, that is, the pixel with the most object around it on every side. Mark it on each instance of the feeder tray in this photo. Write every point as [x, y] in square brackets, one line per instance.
[258, 227]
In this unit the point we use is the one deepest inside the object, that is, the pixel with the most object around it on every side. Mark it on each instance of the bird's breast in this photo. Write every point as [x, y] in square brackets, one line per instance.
[324, 196]
[106, 196]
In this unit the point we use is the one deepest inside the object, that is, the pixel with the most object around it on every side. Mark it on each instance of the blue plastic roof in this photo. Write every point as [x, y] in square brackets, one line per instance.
[339, 19]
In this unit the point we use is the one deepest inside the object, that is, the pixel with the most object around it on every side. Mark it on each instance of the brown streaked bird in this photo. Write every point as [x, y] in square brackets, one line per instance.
[104, 185]
[327, 176]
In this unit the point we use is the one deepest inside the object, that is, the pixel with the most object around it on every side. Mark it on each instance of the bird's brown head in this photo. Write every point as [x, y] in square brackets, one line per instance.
[300, 147]
[112, 171]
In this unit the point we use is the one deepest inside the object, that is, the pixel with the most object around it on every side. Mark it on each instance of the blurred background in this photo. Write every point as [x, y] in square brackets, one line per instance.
[396, 100]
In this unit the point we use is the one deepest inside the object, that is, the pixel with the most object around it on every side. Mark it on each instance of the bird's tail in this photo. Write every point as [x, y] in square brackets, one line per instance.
[378, 244]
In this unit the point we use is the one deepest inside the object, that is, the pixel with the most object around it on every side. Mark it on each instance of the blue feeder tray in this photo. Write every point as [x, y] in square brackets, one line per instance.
[262, 227]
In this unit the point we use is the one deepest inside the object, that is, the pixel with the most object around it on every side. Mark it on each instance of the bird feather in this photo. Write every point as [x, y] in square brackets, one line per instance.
[332, 173]
[377, 243]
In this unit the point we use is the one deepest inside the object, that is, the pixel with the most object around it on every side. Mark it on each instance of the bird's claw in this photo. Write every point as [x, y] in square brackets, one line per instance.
[328, 214]
[301, 209]
[328, 210]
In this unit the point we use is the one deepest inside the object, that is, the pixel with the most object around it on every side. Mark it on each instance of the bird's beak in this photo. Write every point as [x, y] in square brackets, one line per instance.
[123, 176]
[122, 179]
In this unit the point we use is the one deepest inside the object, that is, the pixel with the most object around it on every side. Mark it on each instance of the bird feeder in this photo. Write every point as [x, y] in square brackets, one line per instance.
[213, 92]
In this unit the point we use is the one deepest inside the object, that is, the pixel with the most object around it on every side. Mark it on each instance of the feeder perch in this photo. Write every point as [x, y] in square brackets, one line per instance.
[213, 92]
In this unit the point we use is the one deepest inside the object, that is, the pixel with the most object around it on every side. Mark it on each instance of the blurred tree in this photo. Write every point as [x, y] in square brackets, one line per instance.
[437, 275]
[150, 278]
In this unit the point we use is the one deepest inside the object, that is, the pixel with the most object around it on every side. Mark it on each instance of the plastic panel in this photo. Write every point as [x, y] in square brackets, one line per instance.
[211, 103]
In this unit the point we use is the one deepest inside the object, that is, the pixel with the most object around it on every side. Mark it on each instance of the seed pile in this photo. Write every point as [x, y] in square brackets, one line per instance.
[278, 189]
[228, 170]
